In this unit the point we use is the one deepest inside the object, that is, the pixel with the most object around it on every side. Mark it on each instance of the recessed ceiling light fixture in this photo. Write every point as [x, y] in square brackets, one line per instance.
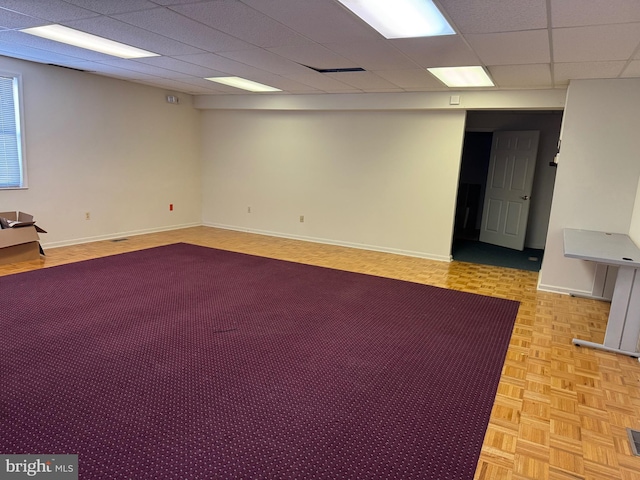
[401, 18]
[244, 84]
[462, 76]
[60, 33]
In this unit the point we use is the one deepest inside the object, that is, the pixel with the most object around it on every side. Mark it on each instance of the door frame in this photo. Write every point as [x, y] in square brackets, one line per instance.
[544, 162]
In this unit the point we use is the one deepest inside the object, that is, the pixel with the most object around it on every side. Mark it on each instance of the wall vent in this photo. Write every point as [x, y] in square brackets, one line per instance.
[634, 439]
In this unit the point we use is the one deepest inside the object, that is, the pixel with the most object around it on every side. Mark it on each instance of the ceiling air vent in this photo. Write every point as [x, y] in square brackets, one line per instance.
[68, 68]
[336, 70]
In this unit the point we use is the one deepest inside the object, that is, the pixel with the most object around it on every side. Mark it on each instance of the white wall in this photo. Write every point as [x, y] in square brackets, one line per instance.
[373, 171]
[597, 178]
[548, 124]
[108, 147]
[376, 171]
[384, 180]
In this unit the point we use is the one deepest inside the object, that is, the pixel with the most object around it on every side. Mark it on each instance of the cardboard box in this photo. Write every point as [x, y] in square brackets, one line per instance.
[20, 241]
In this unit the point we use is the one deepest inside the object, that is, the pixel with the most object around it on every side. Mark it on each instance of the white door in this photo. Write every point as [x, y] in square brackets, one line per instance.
[508, 194]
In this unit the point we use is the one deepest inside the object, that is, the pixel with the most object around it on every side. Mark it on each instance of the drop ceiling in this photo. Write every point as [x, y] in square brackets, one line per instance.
[524, 44]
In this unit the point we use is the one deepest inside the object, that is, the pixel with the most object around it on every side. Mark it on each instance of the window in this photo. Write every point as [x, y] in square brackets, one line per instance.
[11, 146]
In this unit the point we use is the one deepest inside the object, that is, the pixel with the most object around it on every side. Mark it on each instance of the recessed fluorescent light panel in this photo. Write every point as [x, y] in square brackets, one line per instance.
[462, 76]
[80, 39]
[244, 84]
[401, 18]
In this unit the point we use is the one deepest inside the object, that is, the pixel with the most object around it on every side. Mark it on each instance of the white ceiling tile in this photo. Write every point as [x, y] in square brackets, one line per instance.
[266, 60]
[110, 7]
[25, 52]
[576, 13]
[173, 25]
[598, 43]
[563, 72]
[315, 56]
[367, 81]
[10, 19]
[54, 11]
[285, 83]
[186, 89]
[321, 21]
[72, 63]
[412, 79]
[210, 60]
[521, 76]
[278, 81]
[493, 16]
[171, 63]
[20, 40]
[209, 85]
[632, 70]
[121, 32]
[117, 72]
[190, 86]
[223, 65]
[255, 27]
[178, 2]
[322, 82]
[384, 90]
[446, 51]
[145, 68]
[123, 74]
[511, 48]
[227, 90]
[510, 36]
[372, 55]
[213, 87]
[561, 83]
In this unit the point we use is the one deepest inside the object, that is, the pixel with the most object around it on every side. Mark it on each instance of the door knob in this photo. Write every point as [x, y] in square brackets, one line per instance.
[525, 197]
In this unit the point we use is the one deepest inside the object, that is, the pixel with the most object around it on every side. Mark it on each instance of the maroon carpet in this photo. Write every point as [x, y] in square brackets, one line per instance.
[184, 362]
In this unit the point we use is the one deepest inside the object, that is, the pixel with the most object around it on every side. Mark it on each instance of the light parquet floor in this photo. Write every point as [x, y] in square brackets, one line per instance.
[560, 412]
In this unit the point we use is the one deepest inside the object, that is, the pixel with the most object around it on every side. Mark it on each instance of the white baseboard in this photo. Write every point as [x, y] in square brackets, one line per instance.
[562, 290]
[113, 236]
[360, 246]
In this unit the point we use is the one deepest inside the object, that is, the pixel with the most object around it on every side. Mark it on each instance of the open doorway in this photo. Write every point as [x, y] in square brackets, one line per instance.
[480, 127]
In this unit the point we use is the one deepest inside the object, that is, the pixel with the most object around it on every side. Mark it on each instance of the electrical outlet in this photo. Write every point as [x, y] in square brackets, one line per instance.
[301, 218]
[87, 216]
[248, 209]
[171, 207]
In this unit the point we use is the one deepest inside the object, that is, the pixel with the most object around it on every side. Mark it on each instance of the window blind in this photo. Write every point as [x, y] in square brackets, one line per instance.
[10, 142]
